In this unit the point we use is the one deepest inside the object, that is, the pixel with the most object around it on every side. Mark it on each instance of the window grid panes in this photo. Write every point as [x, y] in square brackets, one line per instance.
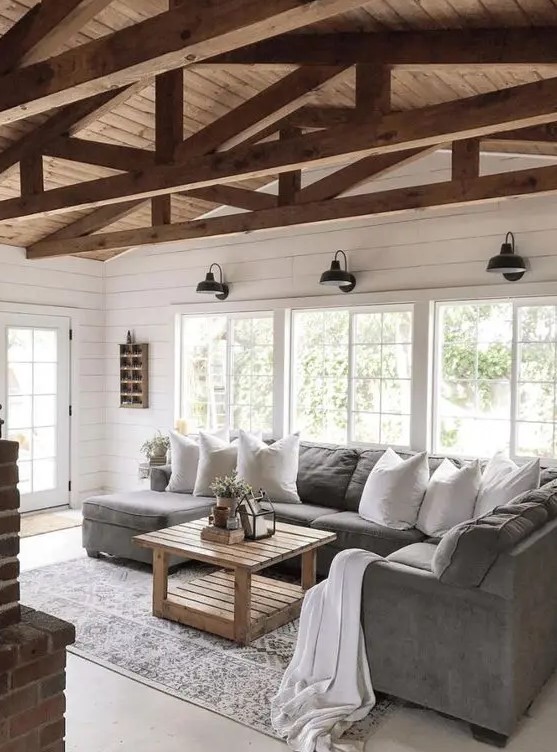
[536, 413]
[32, 363]
[496, 378]
[351, 375]
[227, 371]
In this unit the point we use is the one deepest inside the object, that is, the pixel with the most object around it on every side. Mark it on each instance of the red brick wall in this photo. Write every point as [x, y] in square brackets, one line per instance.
[9, 530]
[32, 644]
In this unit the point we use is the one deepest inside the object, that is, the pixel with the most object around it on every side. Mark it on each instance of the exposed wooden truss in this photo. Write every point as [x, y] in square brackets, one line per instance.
[471, 47]
[169, 40]
[292, 124]
[473, 117]
[461, 192]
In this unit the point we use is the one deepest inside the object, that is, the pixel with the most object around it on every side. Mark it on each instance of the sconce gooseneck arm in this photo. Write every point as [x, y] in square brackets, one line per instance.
[344, 257]
[219, 267]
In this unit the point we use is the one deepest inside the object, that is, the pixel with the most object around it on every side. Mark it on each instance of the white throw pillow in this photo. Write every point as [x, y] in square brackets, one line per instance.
[184, 452]
[216, 459]
[394, 490]
[502, 480]
[274, 467]
[450, 497]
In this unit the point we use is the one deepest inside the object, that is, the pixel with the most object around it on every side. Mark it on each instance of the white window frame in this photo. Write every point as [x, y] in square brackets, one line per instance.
[352, 310]
[423, 349]
[515, 303]
[230, 317]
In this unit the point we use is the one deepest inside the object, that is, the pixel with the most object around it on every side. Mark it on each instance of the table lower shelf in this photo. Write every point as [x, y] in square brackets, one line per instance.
[207, 603]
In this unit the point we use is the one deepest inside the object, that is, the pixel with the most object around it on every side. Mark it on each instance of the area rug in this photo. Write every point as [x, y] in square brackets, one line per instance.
[110, 604]
[47, 522]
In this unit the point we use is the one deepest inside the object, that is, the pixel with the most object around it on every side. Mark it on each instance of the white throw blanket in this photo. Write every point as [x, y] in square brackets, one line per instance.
[327, 686]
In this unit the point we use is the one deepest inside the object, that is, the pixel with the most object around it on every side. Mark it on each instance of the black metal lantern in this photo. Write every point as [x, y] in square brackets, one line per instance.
[336, 276]
[507, 262]
[210, 286]
[258, 516]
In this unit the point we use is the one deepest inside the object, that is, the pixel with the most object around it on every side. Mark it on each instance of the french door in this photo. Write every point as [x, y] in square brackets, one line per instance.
[35, 396]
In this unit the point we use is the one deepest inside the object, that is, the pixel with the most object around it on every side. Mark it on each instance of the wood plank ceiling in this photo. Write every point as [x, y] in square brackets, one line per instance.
[210, 91]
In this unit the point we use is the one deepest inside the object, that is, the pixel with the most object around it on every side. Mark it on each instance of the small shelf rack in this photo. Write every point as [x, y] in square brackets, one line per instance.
[134, 375]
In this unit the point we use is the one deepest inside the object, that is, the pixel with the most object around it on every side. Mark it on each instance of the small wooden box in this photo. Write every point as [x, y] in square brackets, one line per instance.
[220, 535]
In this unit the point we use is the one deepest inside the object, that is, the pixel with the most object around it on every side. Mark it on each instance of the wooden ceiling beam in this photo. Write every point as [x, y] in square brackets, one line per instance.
[31, 175]
[465, 192]
[357, 173]
[94, 221]
[312, 116]
[113, 156]
[289, 183]
[479, 116]
[373, 90]
[403, 49]
[230, 195]
[169, 130]
[69, 120]
[465, 159]
[172, 39]
[258, 113]
[44, 29]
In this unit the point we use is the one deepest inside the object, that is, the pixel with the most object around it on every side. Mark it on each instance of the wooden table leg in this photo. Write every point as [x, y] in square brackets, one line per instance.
[160, 580]
[242, 606]
[309, 568]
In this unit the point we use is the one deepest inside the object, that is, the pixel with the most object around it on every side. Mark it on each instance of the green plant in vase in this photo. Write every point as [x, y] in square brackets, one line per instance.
[229, 489]
[155, 449]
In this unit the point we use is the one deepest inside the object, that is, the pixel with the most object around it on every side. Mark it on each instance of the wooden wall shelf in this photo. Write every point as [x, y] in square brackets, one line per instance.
[134, 376]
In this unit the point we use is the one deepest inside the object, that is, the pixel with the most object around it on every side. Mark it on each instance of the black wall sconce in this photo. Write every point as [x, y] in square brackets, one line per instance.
[507, 262]
[338, 277]
[210, 286]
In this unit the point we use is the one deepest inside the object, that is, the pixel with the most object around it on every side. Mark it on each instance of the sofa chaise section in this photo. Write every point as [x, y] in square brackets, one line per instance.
[111, 521]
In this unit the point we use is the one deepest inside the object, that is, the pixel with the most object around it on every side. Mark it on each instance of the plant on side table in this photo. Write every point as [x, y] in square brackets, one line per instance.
[155, 449]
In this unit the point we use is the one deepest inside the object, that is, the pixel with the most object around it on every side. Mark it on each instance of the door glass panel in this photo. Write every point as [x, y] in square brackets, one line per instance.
[31, 414]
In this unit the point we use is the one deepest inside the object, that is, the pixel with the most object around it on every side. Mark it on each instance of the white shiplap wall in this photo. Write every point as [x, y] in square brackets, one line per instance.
[71, 288]
[416, 250]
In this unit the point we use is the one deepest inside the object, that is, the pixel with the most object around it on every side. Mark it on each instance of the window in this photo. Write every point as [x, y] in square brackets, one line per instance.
[227, 371]
[536, 407]
[496, 378]
[351, 375]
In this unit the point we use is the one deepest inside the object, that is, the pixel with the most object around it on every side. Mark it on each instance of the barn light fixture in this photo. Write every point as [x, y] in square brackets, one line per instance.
[210, 286]
[507, 262]
[336, 276]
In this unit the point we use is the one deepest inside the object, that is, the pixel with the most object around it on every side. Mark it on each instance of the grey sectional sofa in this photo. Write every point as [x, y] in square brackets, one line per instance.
[330, 483]
[478, 653]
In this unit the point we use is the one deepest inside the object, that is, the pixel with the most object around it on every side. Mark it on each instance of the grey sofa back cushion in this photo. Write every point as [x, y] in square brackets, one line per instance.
[324, 473]
[468, 551]
[366, 462]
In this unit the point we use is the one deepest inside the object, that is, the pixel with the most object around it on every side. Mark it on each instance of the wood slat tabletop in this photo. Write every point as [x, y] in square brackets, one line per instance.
[185, 540]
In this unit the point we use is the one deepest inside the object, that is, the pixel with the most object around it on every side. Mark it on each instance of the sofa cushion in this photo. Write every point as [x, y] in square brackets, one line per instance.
[145, 510]
[299, 514]
[468, 551]
[367, 461]
[417, 555]
[324, 473]
[354, 532]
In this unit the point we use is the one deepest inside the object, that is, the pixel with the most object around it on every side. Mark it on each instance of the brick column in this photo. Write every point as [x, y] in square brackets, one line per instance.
[9, 538]
[32, 644]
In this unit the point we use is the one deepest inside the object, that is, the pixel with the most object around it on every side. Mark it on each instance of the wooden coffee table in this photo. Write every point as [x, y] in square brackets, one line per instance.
[233, 602]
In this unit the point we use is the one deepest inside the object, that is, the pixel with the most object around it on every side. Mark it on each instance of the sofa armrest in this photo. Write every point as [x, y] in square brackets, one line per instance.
[159, 477]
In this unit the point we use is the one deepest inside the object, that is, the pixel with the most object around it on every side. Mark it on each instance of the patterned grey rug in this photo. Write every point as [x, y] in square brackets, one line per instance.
[110, 604]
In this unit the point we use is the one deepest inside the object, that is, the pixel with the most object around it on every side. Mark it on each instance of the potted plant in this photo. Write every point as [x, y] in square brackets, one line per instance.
[155, 449]
[229, 489]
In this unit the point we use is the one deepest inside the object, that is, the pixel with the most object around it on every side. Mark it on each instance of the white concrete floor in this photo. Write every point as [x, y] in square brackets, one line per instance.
[108, 712]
